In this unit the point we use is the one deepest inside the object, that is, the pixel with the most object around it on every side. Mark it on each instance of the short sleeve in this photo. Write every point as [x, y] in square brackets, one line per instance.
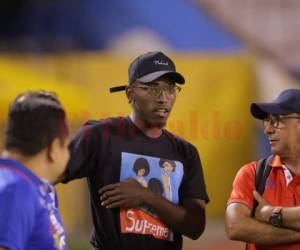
[16, 215]
[193, 184]
[243, 186]
[83, 152]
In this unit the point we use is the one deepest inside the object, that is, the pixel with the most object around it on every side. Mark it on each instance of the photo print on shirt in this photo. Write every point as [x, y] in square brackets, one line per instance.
[162, 176]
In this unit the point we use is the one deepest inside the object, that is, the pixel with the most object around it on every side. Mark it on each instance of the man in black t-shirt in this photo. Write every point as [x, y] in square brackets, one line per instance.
[127, 214]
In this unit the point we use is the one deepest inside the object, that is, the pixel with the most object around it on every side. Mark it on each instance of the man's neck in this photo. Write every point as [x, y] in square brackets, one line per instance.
[35, 163]
[292, 163]
[147, 129]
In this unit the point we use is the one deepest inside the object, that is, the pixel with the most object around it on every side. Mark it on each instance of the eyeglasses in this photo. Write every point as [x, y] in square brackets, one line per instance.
[277, 121]
[157, 90]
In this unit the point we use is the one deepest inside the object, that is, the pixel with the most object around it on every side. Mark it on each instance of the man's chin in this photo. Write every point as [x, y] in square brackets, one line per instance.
[156, 122]
[274, 151]
[159, 123]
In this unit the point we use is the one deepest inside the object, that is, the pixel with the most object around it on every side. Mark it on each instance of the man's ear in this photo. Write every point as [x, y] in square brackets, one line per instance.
[53, 150]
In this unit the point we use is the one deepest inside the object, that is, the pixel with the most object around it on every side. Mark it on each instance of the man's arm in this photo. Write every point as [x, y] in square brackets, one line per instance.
[241, 226]
[188, 218]
[83, 149]
[1, 248]
[290, 215]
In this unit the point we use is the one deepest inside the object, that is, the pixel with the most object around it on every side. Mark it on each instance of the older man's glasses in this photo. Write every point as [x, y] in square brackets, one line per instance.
[157, 90]
[277, 121]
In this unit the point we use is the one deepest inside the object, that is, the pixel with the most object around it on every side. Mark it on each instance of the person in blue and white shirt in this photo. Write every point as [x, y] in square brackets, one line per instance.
[34, 157]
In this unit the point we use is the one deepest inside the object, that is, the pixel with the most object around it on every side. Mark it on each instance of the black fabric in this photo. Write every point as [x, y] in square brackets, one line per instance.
[263, 169]
[262, 172]
[96, 153]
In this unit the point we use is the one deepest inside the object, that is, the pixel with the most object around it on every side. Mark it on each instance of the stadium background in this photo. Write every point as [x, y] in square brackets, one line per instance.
[229, 52]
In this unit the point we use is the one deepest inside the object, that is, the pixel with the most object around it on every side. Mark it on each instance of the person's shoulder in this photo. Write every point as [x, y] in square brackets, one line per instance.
[94, 128]
[15, 184]
[183, 146]
[179, 140]
[111, 122]
[248, 169]
[250, 166]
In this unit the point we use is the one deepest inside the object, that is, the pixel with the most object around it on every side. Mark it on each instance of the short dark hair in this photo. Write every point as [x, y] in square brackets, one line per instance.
[162, 161]
[35, 119]
[141, 163]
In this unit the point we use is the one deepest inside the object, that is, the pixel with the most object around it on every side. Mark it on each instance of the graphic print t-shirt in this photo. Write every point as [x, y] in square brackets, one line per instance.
[115, 149]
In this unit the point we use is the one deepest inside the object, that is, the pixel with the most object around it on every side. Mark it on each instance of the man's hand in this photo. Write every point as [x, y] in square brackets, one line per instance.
[188, 218]
[263, 210]
[127, 193]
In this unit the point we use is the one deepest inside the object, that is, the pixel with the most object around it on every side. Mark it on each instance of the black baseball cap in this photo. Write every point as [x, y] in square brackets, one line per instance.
[149, 67]
[287, 102]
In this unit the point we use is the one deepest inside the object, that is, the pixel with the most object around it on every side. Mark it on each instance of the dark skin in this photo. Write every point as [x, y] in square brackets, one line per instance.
[150, 114]
[188, 218]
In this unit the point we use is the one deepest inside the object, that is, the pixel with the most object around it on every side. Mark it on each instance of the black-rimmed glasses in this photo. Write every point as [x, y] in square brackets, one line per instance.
[277, 121]
[157, 90]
